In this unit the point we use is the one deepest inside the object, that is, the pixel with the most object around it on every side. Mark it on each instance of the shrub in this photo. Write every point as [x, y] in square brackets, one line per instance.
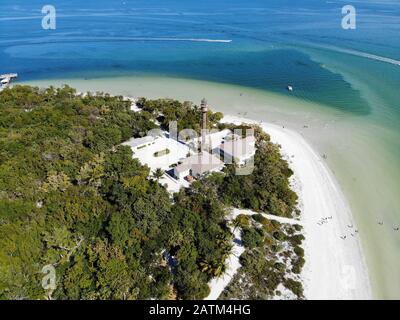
[269, 241]
[280, 266]
[298, 227]
[295, 286]
[299, 251]
[296, 240]
[279, 235]
[243, 220]
[260, 218]
[275, 248]
[298, 265]
[252, 238]
[276, 224]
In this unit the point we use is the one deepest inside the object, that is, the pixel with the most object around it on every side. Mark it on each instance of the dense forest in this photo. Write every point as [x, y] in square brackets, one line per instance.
[73, 198]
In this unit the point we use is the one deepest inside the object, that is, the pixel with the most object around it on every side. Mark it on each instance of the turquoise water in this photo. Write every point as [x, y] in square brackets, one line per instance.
[267, 49]
[273, 44]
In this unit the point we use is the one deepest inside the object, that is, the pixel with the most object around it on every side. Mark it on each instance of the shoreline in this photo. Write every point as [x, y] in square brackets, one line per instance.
[328, 131]
[335, 268]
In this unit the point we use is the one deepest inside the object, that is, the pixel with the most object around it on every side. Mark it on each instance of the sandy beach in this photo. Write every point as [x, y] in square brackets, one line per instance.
[358, 160]
[335, 266]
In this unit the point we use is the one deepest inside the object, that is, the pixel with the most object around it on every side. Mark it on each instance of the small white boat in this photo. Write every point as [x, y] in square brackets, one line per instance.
[290, 88]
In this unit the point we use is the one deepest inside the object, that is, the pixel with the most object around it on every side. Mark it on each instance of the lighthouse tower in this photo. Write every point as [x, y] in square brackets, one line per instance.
[204, 111]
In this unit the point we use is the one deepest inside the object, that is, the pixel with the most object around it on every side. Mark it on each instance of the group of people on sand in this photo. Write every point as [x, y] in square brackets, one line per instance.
[395, 228]
[353, 234]
[324, 220]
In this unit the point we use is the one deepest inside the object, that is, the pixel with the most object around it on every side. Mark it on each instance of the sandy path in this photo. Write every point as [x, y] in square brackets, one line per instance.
[217, 285]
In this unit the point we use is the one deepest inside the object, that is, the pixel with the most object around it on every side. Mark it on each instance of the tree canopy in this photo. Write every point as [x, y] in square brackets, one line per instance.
[72, 197]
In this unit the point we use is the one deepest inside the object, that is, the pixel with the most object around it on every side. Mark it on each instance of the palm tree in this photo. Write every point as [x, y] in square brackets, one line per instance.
[205, 266]
[158, 174]
[176, 239]
[236, 224]
[213, 268]
[223, 238]
[219, 268]
[226, 249]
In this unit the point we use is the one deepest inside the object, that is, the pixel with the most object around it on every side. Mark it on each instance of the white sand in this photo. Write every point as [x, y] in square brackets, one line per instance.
[217, 285]
[335, 268]
[361, 172]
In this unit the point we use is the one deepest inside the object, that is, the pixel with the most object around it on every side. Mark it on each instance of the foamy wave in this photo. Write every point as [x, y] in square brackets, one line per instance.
[369, 56]
[357, 53]
[50, 40]
[182, 39]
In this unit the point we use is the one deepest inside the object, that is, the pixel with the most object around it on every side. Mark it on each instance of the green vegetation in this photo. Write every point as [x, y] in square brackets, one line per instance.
[267, 242]
[267, 188]
[158, 174]
[186, 114]
[268, 261]
[71, 196]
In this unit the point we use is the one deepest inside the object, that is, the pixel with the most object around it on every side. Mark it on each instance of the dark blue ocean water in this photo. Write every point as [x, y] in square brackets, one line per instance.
[268, 51]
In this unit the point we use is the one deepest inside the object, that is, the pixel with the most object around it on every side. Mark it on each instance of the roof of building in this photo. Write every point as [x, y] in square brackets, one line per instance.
[139, 141]
[201, 163]
[182, 167]
[238, 147]
[213, 140]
